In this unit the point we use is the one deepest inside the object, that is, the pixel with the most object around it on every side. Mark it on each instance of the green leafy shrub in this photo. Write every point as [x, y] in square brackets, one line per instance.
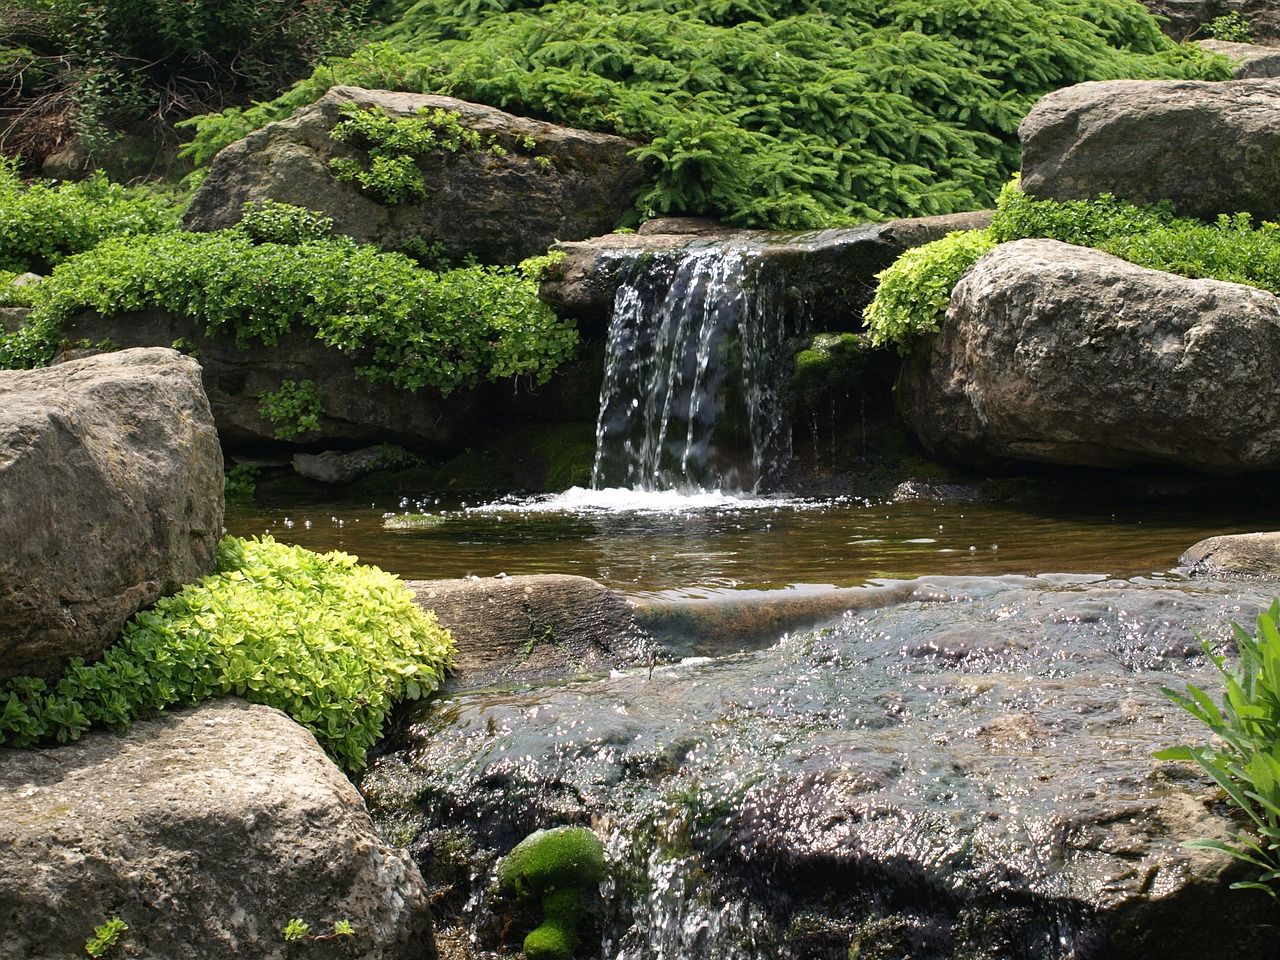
[105, 937]
[1233, 248]
[393, 146]
[295, 409]
[915, 289]
[1245, 759]
[770, 113]
[41, 224]
[266, 221]
[240, 484]
[331, 642]
[1230, 27]
[417, 329]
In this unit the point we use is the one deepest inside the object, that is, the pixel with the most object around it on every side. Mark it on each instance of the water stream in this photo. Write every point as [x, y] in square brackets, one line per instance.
[692, 396]
[962, 772]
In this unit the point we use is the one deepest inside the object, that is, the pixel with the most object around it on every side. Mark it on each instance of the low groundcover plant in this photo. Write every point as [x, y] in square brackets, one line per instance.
[331, 642]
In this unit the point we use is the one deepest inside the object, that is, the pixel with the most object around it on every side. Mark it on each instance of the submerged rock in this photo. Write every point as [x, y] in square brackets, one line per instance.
[964, 774]
[545, 182]
[1208, 147]
[1060, 354]
[205, 831]
[530, 628]
[110, 498]
[1246, 554]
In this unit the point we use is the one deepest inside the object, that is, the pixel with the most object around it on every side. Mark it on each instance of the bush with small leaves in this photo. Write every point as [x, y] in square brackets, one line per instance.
[331, 642]
[420, 329]
[42, 223]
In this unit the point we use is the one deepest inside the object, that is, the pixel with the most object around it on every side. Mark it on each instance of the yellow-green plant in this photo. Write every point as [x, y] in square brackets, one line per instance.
[105, 937]
[331, 642]
[1245, 759]
[915, 289]
[418, 328]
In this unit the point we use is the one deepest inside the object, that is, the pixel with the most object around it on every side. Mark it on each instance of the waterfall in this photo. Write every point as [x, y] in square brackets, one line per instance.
[694, 376]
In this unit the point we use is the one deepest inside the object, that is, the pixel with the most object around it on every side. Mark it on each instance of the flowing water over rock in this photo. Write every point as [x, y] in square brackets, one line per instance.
[966, 774]
[692, 395]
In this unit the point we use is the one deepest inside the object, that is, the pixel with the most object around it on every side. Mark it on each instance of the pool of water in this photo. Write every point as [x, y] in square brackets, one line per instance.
[661, 543]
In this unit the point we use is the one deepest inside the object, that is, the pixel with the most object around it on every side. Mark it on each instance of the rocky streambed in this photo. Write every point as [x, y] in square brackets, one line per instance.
[965, 773]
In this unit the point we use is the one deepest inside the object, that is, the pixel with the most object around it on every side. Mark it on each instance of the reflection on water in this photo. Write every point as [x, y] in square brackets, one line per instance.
[639, 543]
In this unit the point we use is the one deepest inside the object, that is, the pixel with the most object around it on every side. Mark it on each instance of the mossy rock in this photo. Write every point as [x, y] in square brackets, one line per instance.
[829, 366]
[564, 867]
[561, 856]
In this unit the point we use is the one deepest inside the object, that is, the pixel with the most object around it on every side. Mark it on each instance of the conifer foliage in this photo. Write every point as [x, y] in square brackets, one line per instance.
[786, 113]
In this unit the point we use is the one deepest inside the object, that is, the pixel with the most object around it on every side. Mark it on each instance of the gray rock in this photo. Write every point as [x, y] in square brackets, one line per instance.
[110, 498]
[1189, 19]
[831, 271]
[337, 466]
[1248, 60]
[1060, 354]
[354, 409]
[12, 319]
[965, 773]
[502, 209]
[1208, 147]
[205, 831]
[1246, 554]
[530, 628]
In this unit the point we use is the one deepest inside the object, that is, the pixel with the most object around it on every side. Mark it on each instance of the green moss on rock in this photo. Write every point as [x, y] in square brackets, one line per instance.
[564, 867]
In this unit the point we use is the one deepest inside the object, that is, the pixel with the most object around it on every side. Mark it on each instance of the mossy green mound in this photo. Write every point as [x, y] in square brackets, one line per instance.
[563, 866]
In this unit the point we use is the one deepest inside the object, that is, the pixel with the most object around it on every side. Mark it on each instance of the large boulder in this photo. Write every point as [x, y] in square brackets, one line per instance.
[1211, 148]
[1061, 354]
[205, 831]
[110, 498]
[570, 184]
[356, 410]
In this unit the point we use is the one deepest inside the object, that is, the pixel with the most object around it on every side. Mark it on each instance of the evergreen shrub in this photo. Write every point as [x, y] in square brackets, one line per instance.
[782, 113]
[331, 642]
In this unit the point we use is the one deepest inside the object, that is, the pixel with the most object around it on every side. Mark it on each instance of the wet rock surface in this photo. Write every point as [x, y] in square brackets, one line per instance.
[964, 774]
[1208, 147]
[831, 271]
[570, 184]
[1060, 354]
[205, 831]
[529, 629]
[110, 498]
[1248, 554]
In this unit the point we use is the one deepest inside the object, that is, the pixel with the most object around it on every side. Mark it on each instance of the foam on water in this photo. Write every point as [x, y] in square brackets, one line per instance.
[616, 500]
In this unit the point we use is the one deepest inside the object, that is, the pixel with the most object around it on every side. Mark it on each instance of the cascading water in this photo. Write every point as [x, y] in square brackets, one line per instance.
[692, 395]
